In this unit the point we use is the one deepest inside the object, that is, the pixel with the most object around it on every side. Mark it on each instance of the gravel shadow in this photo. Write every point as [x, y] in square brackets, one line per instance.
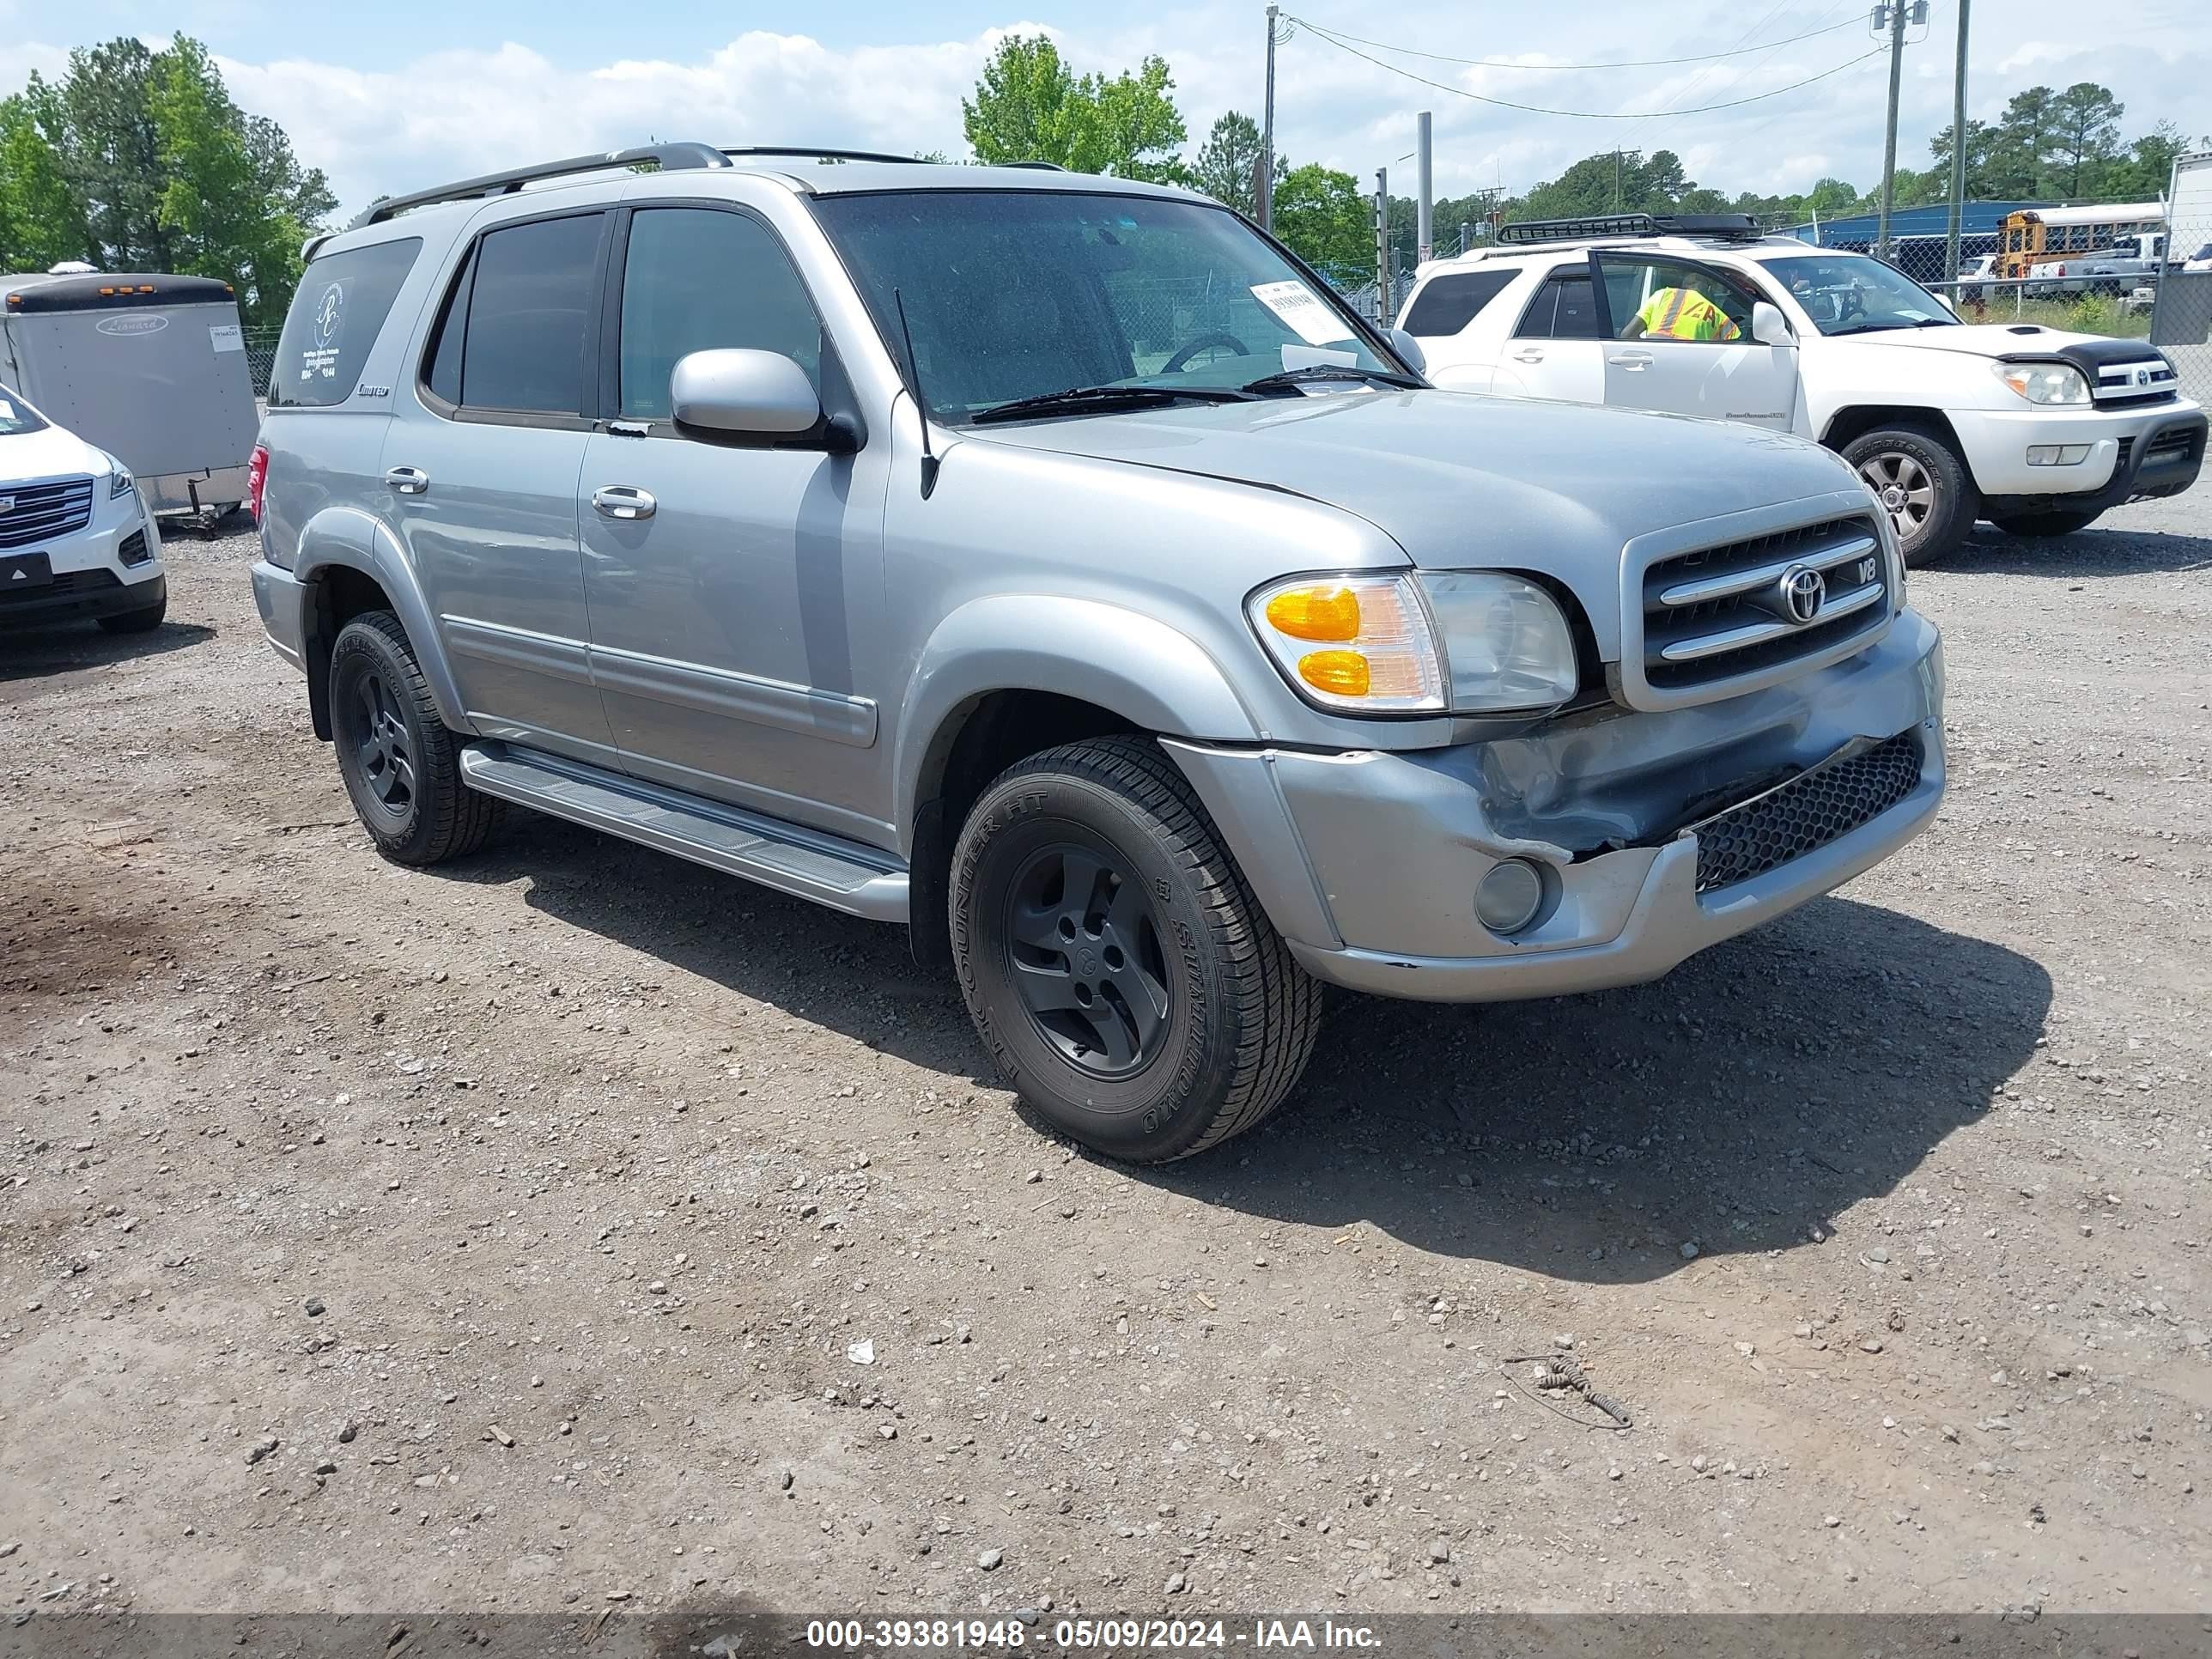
[2093, 552]
[28, 653]
[1741, 1104]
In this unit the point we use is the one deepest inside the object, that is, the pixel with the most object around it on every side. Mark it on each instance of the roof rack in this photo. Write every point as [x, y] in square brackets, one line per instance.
[1729, 225]
[670, 158]
[815, 152]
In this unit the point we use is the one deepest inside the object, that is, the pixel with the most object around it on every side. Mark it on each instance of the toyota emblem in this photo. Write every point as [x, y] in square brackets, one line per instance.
[1803, 591]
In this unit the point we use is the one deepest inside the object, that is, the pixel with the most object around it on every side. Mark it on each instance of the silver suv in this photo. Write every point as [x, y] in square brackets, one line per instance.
[1054, 565]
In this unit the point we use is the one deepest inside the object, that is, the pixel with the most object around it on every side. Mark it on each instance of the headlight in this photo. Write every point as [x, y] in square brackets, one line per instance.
[2046, 383]
[1471, 641]
[1362, 644]
[121, 483]
[1506, 644]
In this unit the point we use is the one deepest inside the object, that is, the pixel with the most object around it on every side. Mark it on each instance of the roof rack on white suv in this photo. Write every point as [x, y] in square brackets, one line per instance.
[1731, 226]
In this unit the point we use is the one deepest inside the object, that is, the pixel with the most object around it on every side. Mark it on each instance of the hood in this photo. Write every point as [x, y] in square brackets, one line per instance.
[1992, 340]
[50, 453]
[1463, 479]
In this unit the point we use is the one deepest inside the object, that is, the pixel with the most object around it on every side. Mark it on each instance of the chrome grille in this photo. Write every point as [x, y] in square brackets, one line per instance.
[1721, 612]
[43, 511]
[1805, 814]
[2141, 380]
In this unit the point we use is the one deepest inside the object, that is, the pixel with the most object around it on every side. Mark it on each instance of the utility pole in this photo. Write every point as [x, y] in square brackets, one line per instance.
[1895, 9]
[1265, 193]
[1958, 155]
[1383, 306]
[1424, 203]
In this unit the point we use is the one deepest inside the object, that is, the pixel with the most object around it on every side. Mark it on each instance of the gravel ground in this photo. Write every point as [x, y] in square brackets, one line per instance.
[573, 1222]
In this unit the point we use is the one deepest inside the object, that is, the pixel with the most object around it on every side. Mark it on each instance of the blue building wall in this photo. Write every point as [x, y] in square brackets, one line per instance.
[1980, 219]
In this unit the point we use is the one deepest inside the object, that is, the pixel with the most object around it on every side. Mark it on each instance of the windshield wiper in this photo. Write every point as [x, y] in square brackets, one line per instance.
[1868, 328]
[1296, 377]
[1104, 399]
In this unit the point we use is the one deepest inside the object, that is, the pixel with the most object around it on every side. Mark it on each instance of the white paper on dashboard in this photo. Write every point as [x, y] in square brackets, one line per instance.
[1318, 357]
[1302, 309]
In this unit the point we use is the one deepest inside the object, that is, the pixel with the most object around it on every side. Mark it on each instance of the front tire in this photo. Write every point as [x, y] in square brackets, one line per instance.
[1921, 483]
[1114, 962]
[143, 619]
[2037, 525]
[401, 763]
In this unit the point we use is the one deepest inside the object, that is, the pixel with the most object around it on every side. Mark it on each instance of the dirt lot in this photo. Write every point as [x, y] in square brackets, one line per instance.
[503, 1238]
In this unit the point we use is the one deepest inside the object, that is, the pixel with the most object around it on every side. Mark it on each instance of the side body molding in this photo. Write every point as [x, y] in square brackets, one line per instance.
[347, 538]
[1136, 665]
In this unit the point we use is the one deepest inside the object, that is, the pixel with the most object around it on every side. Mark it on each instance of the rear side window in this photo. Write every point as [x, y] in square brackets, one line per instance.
[698, 278]
[1449, 302]
[336, 316]
[1563, 309]
[515, 335]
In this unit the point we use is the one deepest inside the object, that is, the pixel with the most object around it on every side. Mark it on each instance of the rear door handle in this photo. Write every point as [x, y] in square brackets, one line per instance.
[407, 480]
[1630, 359]
[624, 501]
[1529, 355]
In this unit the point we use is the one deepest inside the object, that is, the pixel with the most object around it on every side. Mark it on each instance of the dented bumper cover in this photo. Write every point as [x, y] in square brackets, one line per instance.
[1367, 861]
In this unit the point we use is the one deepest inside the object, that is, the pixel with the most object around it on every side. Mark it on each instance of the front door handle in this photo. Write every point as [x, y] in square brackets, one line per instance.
[407, 480]
[624, 501]
[1633, 361]
[1529, 355]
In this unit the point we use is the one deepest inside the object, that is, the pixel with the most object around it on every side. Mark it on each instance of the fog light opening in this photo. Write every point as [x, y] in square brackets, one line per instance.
[1509, 898]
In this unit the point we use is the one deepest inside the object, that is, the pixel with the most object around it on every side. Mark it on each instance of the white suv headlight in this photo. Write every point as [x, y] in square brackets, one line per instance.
[2046, 383]
[120, 483]
[1466, 641]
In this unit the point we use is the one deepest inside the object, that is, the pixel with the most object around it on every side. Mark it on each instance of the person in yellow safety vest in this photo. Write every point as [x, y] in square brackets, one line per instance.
[1682, 313]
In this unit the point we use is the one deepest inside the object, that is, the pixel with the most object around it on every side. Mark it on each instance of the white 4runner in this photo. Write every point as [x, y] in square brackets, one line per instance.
[2034, 429]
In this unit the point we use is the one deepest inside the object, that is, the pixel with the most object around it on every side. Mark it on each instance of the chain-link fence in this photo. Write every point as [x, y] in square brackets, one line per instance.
[261, 356]
[2181, 307]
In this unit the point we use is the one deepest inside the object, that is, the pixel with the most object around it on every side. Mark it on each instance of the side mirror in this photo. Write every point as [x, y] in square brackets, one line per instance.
[736, 396]
[1769, 326]
[1410, 349]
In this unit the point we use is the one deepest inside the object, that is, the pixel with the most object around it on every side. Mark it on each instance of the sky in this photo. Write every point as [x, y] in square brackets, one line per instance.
[403, 94]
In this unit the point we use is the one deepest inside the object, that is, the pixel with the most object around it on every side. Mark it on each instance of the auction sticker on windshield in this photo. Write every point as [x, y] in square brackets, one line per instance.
[1302, 309]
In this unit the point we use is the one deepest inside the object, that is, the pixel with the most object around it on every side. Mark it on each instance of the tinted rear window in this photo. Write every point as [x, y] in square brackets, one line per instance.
[335, 318]
[1451, 301]
[1563, 309]
[529, 303]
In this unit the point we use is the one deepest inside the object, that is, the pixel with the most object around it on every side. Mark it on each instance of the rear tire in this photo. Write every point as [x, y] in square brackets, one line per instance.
[1114, 962]
[2036, 525]
[1922, 485]
[401, 763]
[142, 621]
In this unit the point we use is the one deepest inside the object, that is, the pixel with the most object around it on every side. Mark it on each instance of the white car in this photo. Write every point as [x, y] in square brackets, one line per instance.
[2035, 429]
[2200, 260]
[75, 540]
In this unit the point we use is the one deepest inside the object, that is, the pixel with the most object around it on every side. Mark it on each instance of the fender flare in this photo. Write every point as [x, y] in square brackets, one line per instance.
[340, 538]
[1154, 675]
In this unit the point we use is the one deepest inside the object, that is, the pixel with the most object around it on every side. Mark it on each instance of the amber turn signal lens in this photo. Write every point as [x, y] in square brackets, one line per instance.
[1344, 673]
[1320, 612]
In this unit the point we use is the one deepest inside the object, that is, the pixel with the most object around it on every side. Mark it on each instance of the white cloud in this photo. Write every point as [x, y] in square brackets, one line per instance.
[475, 108]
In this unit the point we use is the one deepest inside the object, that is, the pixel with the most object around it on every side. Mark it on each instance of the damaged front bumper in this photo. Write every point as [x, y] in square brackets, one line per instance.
[1367, 862]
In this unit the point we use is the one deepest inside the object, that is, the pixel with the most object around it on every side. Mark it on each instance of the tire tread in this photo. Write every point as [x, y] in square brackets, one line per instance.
[464, 819]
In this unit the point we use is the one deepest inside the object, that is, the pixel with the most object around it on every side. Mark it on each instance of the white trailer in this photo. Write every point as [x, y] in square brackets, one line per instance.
[150, 367]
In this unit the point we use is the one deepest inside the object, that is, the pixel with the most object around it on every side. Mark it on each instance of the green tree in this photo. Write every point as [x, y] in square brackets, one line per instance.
[1227, 161]
[1030, 106]
[41, 222]
[2088, 134]
[1321, 217]
[2147, 169]
[2026, 132]
[112, 154]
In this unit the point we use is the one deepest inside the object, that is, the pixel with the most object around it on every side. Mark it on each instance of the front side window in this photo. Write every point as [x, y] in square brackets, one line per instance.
[1013, 295]
[526, 305]
[336, 314]
[1667, 299]
[1851, 294]
[696, 279]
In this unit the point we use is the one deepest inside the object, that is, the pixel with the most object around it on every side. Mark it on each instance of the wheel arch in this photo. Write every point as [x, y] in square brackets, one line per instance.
[348, 562]
[1853, 421]
[995, 685]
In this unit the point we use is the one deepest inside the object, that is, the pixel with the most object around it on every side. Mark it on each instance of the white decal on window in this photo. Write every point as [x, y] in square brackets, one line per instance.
[226, 337]
[1302, 309]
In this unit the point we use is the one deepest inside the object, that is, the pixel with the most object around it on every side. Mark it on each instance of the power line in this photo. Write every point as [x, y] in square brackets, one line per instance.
[1642, 63]
[1585, 114]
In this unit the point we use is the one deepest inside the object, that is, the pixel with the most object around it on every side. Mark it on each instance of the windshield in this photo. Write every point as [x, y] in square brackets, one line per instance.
[1015, 294]
[17, 416]
[1850, 294]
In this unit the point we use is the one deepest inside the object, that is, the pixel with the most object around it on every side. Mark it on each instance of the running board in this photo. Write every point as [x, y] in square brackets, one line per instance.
[861, 881]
